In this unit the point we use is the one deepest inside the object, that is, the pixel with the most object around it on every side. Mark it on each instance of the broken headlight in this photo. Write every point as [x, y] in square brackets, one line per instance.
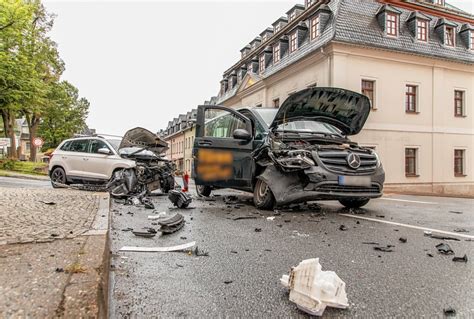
[298, 159]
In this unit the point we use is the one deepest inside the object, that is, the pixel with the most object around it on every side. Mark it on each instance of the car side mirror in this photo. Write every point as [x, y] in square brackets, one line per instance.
[241, 134]
[104, 151]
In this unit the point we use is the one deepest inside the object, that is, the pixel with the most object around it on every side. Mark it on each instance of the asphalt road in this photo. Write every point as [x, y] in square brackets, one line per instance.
[23, 183]
[404, 283]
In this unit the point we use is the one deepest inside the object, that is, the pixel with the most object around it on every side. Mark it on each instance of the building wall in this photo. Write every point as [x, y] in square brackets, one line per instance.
[434, 130]
[176, 144]
[189, 136]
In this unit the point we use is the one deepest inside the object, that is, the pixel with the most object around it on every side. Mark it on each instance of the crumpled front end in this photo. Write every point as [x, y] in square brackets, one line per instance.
[305, 170]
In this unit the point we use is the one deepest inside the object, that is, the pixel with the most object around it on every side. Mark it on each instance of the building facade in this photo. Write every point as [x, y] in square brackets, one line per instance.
[415, 61]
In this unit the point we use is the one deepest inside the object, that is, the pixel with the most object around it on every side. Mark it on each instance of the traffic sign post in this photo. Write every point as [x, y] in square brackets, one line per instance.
[38, 142]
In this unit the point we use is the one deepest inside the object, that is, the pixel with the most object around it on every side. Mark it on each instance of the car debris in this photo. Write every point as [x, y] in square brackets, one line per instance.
[387, 249]
[440, 237]
[258, 230]
[429, 255]
[455, 212]
[462, 259]
[148, 203]
[444, 249]
[152, 171]
[179, 198]
[403, 239]
[370, 243]
[146, 234]
[449, 312]
[171, 224]
[228, 282]
[157, 249]
[461, 230]
[158, 216]
[244, 217]
[271, 218]
[343, 228]
[199, 252]
[312, 290]
[47, 202]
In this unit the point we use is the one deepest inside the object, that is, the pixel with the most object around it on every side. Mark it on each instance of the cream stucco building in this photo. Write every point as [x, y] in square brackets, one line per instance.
[414, 59]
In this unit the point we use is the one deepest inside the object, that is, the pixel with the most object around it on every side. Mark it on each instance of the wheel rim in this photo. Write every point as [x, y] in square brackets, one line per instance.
[262, 190]
[58, 176]
[200, 189]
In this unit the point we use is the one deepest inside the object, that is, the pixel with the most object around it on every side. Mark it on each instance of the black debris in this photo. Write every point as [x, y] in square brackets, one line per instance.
[183, 237]
[171, 224]
[258, 230]
[127, 229]
[441, 237]
[233, 252]
[200, 253]
[151, 230]
[228, 282]
[148, 204]
[54, 235]
[469, 239]
[279, 225]
[449, 312]
[380, 216]
[343, 228]
[47, 203]
[230, 199]
[455, 212]
[130, 213]
[268, 250]
[387, 249]
[429, 255]
[370, 243]
[244, 217]
[287, 220]
[402, 239]
[462, 259]
[143, 234]
[357, 222]
[180, 266]
[180, 199]
[59, 270]
[461, 230]
[444, 249]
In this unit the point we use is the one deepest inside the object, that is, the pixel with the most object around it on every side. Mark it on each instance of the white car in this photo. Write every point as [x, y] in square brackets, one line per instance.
[86, 160]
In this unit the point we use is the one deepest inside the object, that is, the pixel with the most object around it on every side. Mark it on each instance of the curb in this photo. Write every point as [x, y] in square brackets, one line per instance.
[86, 294]
[4, 173]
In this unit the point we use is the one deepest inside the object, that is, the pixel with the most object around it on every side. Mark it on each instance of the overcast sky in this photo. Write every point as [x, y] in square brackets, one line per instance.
[144, 63]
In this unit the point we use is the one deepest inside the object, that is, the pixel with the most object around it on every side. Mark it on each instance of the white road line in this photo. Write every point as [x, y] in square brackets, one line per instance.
[410, 226]
[408, 201]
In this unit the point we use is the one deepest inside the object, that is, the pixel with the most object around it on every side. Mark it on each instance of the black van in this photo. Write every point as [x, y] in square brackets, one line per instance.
[299, 152]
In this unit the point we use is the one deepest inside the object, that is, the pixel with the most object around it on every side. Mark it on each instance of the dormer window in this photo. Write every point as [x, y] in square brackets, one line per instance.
[392, 24]
[261, 63]
[309, 2]
[450, 36]
[277, 28]
[292, 16]
[276, 53]
[293, 42]
[440, 2]
[315, 27]
[422, 30]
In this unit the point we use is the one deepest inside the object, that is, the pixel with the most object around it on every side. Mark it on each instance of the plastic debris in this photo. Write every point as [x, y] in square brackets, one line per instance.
[444, 249]
[312, 289]
[402, 239]
[343, 228]
[455, 212]
[158, 216]
[449, 312]
[148, 204]
[258, 230]
[441, 237]
[146, 234]
[387, 249]
[461, 230]
[180, 199]
[47, 202]
[271, 218]
[171, 224]
[462, 259]
[245, 217]
[158, 249]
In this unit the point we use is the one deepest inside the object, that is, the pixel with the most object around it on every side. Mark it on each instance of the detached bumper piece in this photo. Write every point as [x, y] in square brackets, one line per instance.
[172, 224]
[180, 199]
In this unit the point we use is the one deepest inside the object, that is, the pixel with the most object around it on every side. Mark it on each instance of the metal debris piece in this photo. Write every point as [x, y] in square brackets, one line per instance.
[271, 218]
[228, 282]
[200, 253]
[158, 216]
[402, 239]
[148, 204]
[462, 259]
[429, 255]
[312, 289]
[47, 202]
[343, 228]
[146, 234]
[180, 199]
[442, 237]
[387, 249]
[444, 249]
[258, 230]
[455, 212]
[449, 312]
[127, 229]
[244, 217]
[158, 249]
[171, 224]
[370, 243]
[461, 230]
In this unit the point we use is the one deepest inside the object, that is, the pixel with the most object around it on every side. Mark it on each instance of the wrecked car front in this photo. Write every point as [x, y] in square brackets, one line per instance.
[307, 155]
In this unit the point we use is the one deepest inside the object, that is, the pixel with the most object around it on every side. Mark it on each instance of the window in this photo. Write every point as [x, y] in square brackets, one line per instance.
[223, 125]
[293, 42]
[276, 53]
[411, 162]
[264, 38]
[309, 2]
[422, 30]
[458, 103]
[258, 105]
[276, 103]
[262, 63]
[450, 41]
[411, 99]
[65, 146]
[368, 89]
[250, 68]
[459, 163]
[472, 40]
[440, 2]
[277, 28]
[392, 24]
[96, 145]
[292, 15]
[315, 27]
[79, 146]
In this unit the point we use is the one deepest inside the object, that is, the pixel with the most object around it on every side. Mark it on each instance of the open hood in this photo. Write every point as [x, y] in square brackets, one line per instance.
[143, 138]
[342, 108]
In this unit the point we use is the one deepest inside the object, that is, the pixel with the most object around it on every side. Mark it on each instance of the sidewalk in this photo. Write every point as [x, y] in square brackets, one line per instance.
[54, 258]
[20, 175]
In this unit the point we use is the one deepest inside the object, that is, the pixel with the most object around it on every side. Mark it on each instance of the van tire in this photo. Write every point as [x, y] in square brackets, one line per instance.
[203, 190]
[263, 197]
[354, 203]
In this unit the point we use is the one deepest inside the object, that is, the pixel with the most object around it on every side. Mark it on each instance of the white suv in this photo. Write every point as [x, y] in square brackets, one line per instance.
[86, 159]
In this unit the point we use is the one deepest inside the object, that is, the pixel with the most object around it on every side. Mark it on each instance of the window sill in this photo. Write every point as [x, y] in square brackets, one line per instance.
[460, 175]
[461, 116]
[412, 112]
[412, 175]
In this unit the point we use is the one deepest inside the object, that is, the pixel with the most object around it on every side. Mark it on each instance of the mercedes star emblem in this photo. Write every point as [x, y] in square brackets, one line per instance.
[353, 160]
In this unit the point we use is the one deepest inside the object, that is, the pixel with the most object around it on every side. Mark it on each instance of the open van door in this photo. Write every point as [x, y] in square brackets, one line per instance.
[223, 148]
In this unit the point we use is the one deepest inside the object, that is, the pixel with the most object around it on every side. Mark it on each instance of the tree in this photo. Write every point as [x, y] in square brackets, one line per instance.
[65, 116]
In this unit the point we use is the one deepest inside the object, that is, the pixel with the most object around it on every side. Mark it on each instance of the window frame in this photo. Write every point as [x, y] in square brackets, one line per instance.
[276, 103]
[315, 27]
[422, 30]
[471, 37]
[261, 63]
[461, 100]
[294, 42]
[277, 28]
[462, 165]
[372, 89]
[88, 140]
[447, 37]
[391, 25]
[276, 53]
[414, 94]
[415, 158]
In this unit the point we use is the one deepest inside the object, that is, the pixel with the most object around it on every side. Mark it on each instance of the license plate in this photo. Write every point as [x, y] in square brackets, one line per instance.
[354, 180]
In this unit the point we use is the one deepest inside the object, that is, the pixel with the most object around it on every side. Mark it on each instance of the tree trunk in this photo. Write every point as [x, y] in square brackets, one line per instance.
[33, 122]
[9, 125]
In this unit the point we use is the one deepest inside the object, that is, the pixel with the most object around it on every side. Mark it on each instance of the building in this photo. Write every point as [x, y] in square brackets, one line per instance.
[414, 59]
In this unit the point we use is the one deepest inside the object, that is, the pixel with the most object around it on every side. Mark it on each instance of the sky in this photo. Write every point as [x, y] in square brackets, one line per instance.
[142, 63]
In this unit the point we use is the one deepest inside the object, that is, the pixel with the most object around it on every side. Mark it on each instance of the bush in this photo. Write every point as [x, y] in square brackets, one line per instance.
[8, 165]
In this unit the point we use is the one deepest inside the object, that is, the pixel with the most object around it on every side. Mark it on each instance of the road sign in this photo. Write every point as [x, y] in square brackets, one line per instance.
[4, 142]
[38, 142]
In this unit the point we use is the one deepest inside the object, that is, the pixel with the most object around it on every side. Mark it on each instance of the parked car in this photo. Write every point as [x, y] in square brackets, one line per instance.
[132, 164]
[299, 152]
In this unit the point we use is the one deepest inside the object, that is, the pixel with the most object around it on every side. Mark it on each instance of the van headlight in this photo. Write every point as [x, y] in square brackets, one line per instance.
[377, 158]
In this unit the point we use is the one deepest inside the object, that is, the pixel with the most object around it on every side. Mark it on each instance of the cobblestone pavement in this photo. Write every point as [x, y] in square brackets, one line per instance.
[27, 215]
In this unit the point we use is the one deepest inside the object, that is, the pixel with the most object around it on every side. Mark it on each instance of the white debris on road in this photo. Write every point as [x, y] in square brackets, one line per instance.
[312, 289]
[158, 249]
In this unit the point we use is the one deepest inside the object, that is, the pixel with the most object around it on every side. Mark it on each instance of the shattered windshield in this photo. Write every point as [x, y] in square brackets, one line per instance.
[114, 143]
[268, 115]
[310, 127]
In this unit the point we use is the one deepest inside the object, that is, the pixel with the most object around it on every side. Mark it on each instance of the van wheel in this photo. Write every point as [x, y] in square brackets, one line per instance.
[203, 190]
[262, 196]
[58, 176]
[354, 203]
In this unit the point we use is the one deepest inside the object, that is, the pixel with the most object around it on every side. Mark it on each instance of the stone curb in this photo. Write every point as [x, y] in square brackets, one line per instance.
[86, 294]
[4, 173]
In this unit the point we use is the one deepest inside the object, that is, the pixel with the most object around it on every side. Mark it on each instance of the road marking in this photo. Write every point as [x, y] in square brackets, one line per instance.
[410, 226]
[408, 201]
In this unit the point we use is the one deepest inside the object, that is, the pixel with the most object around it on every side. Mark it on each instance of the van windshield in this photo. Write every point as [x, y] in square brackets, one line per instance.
[310, 127]
[268, 115]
